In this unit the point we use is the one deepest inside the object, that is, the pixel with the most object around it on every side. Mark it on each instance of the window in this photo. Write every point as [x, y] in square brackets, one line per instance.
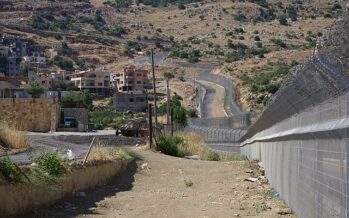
[130, 82]
[139, 82]
[139, 74]
[132, 100]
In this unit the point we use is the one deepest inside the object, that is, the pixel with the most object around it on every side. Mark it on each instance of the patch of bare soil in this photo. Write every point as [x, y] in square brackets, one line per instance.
[165, 186]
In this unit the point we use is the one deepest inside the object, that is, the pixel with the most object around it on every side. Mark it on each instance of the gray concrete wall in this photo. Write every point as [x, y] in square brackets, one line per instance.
[132, 102]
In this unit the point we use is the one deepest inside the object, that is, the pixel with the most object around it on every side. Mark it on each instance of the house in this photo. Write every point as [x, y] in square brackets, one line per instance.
[13, 87]
[47, 82]
[13, 66]
[130, 84]
[97, 82]
[136, 102]
[130, 79]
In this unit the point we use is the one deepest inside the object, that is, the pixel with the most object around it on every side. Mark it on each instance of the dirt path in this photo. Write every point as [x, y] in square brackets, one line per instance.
[214, 100]
[158, 190]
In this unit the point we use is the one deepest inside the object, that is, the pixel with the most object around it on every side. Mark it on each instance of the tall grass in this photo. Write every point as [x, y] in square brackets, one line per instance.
[195, 145]
[186, 144]
[11, 138]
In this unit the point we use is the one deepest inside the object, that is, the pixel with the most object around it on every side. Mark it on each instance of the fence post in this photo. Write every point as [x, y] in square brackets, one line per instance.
[88, 152]
[150, 126]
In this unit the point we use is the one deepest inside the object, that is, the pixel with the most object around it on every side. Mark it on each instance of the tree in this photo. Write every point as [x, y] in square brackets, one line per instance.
[34, 89]
[180, 116]
[168, 76]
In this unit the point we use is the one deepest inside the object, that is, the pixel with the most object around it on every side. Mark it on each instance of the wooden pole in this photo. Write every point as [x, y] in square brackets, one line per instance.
[88, 152]
[171, 121]
[154, 89]
[150, 126]
[168, 101]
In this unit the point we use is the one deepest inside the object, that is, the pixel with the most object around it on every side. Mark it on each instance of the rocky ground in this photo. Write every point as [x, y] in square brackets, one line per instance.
[164, 186]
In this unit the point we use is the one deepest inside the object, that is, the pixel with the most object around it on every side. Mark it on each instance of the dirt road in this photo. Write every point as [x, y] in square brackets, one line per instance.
[158, 189]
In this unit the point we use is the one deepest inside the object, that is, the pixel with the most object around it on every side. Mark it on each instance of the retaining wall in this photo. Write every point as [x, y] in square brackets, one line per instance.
[23, 198]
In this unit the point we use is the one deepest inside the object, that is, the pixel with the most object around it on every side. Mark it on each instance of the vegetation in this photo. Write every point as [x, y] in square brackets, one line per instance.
[64, 86]
[63, 63]
[76, 100]
[9, 170]
[266, 82]
[51, 163]
[35, 89]
[11, 137]
[188, 183]
[106, 118]
[186, 144]
[171, 146]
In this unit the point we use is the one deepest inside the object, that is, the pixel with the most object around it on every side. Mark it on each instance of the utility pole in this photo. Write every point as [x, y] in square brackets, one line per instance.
[154, 89]
[168, 100]
[150, 126]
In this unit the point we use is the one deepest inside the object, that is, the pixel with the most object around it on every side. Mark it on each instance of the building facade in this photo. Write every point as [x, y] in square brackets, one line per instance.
[130, 79]
[97, 82]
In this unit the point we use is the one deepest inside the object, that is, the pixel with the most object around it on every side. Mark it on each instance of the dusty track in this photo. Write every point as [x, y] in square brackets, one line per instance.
[158, 190]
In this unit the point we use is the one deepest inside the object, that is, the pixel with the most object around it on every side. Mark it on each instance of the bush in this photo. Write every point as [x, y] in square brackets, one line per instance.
[51, 163]
[171, 146]
[212, 156]
[192, 113]
[9, 170]
[74, 100]
[102, 118]
[279, 42]
[283, 20]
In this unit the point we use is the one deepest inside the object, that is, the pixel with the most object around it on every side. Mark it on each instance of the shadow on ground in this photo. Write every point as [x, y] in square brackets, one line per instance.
[79, 204]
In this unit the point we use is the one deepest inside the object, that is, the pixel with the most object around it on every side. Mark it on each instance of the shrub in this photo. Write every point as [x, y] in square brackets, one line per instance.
[212, 156]
[51, 163]
[279, 42]
[171, 146]
[192, 113]
[283, 20]
[9, 170]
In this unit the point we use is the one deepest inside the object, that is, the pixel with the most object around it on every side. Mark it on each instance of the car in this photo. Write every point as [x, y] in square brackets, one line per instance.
[68, 121]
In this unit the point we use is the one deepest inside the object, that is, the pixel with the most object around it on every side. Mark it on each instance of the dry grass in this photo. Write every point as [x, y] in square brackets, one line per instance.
[100, 153]
[11, 138]
[194, 145]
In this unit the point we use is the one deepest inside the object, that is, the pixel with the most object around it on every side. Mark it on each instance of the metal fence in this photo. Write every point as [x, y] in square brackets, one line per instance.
[236, 121]
[217, 135]
[306, 158]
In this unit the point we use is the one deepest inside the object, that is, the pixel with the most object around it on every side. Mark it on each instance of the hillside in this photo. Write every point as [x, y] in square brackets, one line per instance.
[256, 41]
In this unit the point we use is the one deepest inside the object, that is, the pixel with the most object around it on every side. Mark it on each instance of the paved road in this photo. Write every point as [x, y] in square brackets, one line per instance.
[64, 141]
[213, 105]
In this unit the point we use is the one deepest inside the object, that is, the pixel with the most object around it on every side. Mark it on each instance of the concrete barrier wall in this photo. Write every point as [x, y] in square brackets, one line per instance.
[35, 115]
[23, 198]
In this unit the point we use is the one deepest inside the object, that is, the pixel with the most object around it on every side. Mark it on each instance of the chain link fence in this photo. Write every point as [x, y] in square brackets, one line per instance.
[306, 158]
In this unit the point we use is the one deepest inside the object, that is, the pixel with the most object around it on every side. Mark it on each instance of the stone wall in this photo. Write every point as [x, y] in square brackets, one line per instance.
[35, 115]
